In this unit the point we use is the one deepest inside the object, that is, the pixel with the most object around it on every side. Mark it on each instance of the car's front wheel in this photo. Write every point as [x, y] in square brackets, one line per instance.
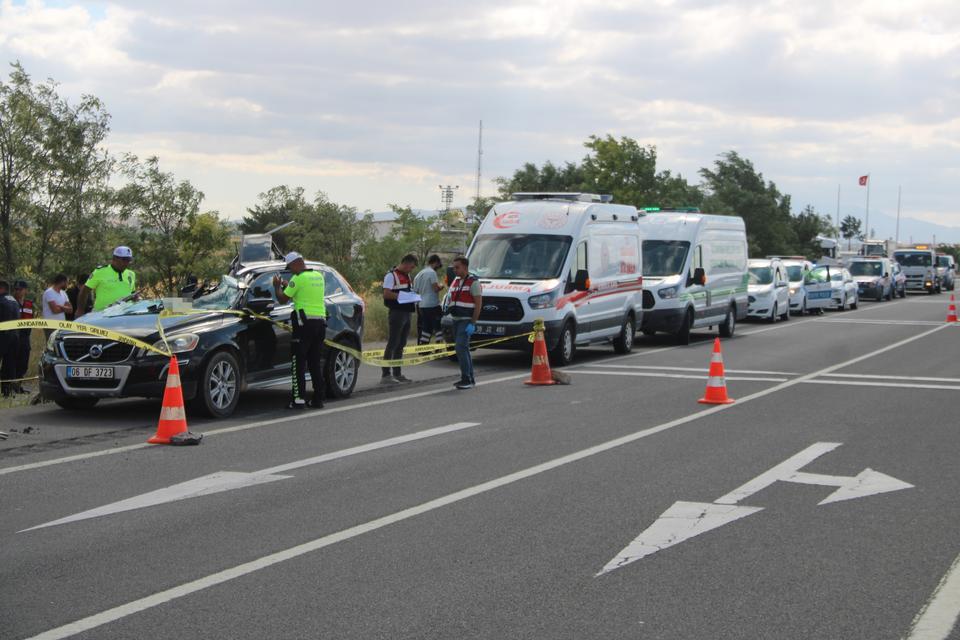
[340, 372]
[562, 354]
[218, 387]
[77, 404]
[729, 323]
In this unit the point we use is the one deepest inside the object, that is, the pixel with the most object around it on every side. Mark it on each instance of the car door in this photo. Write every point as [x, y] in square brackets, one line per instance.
[700, 293]
[274, 344]
[817, 283]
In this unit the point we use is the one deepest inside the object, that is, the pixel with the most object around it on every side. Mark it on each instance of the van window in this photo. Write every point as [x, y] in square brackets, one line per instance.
[663, 258]
[614, 256]
[726, 257]
[519, 256]
[581, 257]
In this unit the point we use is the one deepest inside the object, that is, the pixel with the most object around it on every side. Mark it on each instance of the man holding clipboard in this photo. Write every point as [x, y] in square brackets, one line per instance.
[401, 303]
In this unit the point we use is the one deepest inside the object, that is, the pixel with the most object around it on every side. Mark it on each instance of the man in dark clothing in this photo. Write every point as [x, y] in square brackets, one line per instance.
[73, 293]
[28, 311]
[9, 340]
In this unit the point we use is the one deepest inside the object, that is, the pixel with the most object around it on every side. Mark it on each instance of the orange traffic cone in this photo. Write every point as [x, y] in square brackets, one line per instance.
[716, 384]
[173, 418]
[540, 371]
[952, 310]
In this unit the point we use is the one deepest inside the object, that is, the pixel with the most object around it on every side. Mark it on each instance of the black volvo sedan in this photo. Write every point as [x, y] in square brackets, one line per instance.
[219, 354]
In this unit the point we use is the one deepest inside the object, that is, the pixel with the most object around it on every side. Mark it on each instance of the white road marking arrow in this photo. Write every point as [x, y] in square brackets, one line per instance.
[230, 480]
[685, 520]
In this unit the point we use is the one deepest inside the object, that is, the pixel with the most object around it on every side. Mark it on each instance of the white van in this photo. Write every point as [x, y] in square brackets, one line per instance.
[570, 259]
[695, 273]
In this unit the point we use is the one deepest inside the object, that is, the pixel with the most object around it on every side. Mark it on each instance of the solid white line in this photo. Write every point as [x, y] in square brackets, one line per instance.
[255, 425]
[646, 374]
[891, 378]
[148, 602]
[696, 369]
[892, 385]
[916, 323]
[939, 615]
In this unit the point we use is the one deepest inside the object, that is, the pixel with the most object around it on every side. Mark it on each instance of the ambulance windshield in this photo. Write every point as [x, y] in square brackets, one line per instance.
[519, 256]
[663, 258]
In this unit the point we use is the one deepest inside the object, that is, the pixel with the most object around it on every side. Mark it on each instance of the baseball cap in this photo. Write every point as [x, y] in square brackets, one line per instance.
[123, 252]
[293, 256]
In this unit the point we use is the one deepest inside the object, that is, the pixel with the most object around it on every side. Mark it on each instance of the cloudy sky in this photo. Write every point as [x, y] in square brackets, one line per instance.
[378, 101]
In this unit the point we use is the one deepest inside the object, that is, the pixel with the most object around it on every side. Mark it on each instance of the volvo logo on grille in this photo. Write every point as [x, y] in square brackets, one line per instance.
[96, 351]
[491, 307]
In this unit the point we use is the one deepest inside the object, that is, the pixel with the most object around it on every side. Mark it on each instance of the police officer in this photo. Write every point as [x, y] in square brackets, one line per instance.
[27, 312]
[309, 318]
[110, 282]
[9, 340]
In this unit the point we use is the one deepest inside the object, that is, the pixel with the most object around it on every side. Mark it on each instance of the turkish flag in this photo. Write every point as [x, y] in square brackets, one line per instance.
[863, 181]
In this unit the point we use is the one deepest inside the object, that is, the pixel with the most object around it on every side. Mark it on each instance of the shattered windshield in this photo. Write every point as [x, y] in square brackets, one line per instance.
[218, 296]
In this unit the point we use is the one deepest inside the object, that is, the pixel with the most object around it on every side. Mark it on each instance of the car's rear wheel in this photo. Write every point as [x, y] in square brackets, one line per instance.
[218, 388]
[624, 342]
[562, 354]
[77, 404]
[340, 371]
[729, 323]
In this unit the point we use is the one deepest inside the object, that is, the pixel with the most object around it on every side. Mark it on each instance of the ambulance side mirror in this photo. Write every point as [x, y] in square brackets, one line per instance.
[581, 281]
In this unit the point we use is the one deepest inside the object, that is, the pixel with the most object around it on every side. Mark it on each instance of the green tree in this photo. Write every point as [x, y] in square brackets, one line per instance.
[175, 239]
[549, 177]
[275, 207]
[807, 225]
[734, 187]
[25, 110]
[332, 233]
[850, 228]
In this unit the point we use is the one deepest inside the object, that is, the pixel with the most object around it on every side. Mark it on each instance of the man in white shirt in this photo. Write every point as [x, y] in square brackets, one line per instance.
[56, 304]
[427, 286]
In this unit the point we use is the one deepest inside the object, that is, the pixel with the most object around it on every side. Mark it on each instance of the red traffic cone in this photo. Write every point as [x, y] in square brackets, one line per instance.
[952, 310]
[173, 417]
[540, 370]
[716, 383]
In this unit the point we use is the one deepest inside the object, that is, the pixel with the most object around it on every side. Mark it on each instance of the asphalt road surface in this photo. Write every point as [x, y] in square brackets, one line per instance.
[823, 503]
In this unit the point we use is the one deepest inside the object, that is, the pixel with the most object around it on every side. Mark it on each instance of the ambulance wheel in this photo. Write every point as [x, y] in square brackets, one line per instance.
[562, 354]
[683, 335]
[218, 389]
[624, 342]
[729, 324]
[77, 404]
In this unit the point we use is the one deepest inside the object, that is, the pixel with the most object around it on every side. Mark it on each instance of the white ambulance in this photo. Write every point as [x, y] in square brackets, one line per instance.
[695, 272]
[570, 259]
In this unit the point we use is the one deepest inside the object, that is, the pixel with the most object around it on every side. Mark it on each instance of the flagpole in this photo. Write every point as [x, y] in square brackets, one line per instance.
[897, 240]
[866, 231]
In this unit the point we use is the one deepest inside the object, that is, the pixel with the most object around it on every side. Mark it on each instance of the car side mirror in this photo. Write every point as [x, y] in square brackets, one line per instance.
[699, 277]
[261, 305]
[581, 281]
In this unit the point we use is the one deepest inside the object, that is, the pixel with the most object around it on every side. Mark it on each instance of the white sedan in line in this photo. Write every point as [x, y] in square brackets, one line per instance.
[844, 292]
[768, 292]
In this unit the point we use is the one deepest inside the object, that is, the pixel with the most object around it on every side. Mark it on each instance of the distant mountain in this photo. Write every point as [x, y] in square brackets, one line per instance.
[920, 230]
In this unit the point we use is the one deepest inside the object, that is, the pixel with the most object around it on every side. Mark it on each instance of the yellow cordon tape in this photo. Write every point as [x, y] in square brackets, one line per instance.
[79, 327]
[372, 357]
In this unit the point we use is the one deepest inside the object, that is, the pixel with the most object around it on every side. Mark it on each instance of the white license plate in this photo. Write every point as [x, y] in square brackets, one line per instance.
[491, 330]
[89, 373]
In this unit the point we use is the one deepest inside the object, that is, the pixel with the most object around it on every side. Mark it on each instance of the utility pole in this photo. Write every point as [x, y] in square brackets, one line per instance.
[838, 213]
[867, 221]
[476, 203]
[897, 239]
[446, 196]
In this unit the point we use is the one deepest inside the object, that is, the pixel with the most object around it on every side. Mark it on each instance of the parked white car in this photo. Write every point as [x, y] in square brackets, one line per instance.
[843, 288]
[796, 270]
[768, 290]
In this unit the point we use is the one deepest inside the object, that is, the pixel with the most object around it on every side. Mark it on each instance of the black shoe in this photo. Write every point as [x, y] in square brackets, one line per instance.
[316, 403]
[464, 385]
[298, 405]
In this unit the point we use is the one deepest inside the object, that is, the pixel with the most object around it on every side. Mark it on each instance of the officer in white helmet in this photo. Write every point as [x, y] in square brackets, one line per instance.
[109, 283]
